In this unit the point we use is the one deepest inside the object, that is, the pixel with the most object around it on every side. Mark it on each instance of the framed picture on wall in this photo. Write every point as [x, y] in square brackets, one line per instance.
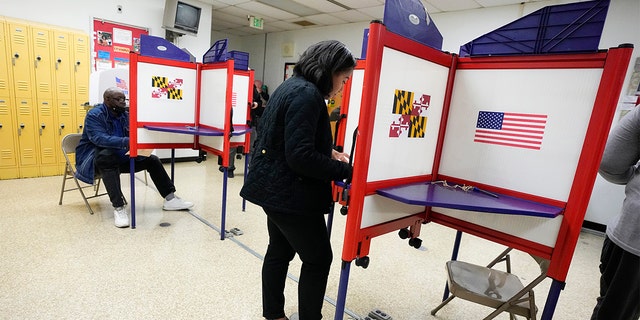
[288, 70]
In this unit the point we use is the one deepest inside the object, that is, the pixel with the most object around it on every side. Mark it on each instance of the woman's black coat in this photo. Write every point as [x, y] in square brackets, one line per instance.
[291, 167]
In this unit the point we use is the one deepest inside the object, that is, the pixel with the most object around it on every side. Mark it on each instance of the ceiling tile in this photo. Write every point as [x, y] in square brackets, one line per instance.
[325, 19]
[220, 16]
[357, 4]
[448, 5]
[375, 12]
[233, 2]
[352, 16]
[285, 25]
[321, 5]
[263, 10]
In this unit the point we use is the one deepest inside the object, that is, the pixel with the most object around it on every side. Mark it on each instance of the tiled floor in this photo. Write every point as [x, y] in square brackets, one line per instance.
[60, 262]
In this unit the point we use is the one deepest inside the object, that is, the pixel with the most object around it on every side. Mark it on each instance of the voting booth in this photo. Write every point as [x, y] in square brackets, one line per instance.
[502, 147]
[175, 103]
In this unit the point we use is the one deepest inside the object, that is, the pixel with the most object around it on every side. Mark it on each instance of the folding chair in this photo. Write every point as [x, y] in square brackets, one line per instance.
[69, 144]
[493, 288]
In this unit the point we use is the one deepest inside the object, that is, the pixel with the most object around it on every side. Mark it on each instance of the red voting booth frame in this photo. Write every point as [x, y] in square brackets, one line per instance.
[357, 239]
[197, 128]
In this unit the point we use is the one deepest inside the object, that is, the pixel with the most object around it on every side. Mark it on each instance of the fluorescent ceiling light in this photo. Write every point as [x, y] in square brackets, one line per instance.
[291, 6]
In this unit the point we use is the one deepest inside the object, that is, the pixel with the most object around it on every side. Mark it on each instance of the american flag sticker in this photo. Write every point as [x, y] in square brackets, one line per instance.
[521, 130]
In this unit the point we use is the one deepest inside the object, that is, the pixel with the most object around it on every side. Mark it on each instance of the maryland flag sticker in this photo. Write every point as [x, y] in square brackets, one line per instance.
[412, 121]
[165, 89]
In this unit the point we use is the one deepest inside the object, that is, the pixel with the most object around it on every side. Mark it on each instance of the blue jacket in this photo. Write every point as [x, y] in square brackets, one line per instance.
[99, 131]
[291, 167]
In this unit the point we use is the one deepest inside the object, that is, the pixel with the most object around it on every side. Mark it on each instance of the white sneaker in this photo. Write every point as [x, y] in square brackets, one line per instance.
[121, 217]
[176, 204]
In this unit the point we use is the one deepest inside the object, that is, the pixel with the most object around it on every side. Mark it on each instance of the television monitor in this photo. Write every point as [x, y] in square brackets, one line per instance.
[181, 16]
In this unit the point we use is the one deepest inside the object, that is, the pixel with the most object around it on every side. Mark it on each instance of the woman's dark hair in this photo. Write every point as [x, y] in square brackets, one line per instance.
[321, 61]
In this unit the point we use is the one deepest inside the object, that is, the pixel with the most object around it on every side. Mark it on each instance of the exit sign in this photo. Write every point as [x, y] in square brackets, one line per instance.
[256, 22]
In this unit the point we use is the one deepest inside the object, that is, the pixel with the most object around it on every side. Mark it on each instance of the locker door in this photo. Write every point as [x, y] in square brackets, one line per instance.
[7, 134]
[47, 134]
[21, 62]
[82, 66]
[63, 63]
[27, 138]
[8, 163]
[42, 62]
[81, 71]
[5, 81]
[65, 125]
[81, 113]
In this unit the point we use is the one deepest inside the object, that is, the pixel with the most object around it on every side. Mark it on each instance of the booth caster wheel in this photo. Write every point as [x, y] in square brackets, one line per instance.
[362, 262]
[415, 242]
[404, 233]
[344, 210]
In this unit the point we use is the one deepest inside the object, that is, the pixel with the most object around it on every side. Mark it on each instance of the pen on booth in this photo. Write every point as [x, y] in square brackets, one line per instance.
[486, 192]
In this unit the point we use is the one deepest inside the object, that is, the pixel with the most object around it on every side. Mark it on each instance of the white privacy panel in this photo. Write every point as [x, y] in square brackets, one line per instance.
[213, 97]
[409, 108]
[166, 94]
[519, 129]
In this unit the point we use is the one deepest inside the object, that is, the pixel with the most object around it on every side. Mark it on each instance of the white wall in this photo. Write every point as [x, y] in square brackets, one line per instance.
[79, 14]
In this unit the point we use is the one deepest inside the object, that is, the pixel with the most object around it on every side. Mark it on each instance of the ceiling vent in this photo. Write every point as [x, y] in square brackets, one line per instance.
[304, 23]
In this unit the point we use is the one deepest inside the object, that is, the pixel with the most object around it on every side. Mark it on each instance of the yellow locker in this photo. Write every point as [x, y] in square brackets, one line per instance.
[42, 61]
[20, 55]
[63, 64]
[27, 139]
[81, 113]
[82, 66]
[47, 137]
[8, 163]
[5, 80]
[65, 126]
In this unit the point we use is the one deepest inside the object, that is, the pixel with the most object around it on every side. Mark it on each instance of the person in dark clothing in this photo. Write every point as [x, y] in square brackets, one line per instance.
[257, 107]
[104, 147]
[260, 98]
[620, 257]
[292, 167]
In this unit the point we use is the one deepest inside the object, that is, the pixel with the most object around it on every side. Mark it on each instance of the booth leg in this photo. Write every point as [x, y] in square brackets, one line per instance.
[454, 256]
[342, 290]
[224, 204]
[552, 299]
[246, 171]
[173, 165]
[132, 172]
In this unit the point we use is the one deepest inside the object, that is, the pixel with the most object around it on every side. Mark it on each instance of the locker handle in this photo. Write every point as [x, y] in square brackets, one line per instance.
[13, 59]
[20, 128]
[58, 61]
[38, 58]
[75, 67]
[61, 128]
[0, 125]
[42, 127]
[79, 128]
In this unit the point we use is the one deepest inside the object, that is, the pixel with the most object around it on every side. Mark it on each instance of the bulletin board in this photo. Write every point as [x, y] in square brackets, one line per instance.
[112, 42]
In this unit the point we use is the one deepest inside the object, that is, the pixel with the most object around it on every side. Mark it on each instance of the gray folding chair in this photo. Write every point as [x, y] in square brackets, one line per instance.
[69, 144]
[493, 288]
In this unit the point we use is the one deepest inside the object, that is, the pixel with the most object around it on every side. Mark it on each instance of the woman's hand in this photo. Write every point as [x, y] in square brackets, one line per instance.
[340, 156]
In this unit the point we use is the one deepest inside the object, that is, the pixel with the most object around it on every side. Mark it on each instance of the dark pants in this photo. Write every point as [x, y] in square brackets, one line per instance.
[110, 165]
[619, 284]
[290, 234]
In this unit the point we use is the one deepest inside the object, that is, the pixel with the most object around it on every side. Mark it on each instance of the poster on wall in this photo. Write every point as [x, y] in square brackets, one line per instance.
[112, 42]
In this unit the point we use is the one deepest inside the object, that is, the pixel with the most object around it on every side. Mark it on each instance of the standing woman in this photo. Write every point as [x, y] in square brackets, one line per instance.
[292, 167]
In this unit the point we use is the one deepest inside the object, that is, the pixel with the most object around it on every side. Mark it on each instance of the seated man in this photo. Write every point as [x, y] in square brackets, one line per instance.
[104, 146]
